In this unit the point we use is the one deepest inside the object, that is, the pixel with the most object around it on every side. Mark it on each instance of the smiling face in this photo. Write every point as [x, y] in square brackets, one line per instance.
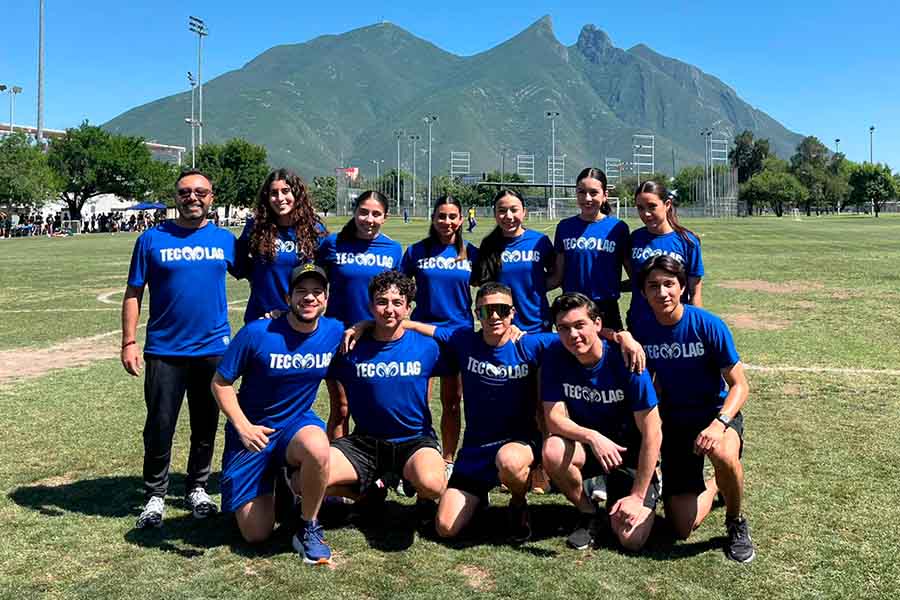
[579, 333]
[193, 197]
[495, 312]
[389, 307]
[509, 214]
[281, 199]
[653, 212]
[446, 220]
[308, 299]
[663, 292]
[590, 196]
[369, 216]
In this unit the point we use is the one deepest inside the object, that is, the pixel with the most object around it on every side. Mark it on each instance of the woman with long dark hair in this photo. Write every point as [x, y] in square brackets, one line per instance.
[442, 265]
[283, 233]
[352, 257]
[521, 258]
[662, 234]
[592, 248]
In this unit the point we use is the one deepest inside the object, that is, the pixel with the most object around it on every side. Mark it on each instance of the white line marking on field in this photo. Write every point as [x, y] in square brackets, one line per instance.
[105, 298]
[60, 310]
[829, 370]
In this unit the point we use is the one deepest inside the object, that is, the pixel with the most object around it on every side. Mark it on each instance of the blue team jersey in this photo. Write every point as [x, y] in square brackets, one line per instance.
[442, 283]
[350, 265]
[526, 260]
[280, 368]
[498, 394]
[185, 272]
[594, 253]
[387, 385]
[687, 359]
[603, 397]
[644, 246]
[269, 280]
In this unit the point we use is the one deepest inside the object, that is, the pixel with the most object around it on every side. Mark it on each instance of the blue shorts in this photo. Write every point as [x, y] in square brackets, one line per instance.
[475, 469]
[247, 475]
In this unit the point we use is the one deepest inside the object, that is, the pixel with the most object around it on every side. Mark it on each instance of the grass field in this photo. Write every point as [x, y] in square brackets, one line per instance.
[813, 305]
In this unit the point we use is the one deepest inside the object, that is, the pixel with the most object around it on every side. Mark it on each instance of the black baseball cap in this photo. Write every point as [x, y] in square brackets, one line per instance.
[308, 270]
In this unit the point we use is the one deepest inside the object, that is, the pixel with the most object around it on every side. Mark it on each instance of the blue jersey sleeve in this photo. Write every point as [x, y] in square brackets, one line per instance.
[535, 345]
[551, 373]
[558, 239]
[641, 392]
[408, 263]
[325, 253]
[722, 342]
[230, 247]
[137, 272]
[236, 356]
[397, 253]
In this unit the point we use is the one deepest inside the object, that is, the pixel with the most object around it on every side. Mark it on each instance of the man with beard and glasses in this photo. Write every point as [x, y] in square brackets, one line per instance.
[272, 424]
[183, 262]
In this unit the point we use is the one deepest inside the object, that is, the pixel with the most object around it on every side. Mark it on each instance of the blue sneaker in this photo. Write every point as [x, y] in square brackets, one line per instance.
[309, 542]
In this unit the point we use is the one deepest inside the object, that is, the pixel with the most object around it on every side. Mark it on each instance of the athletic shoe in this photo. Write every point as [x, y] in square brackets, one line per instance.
[739, 546]
[152, 515]
[595, 489]
[519, 523]
[309, 542]
[200, 504]
[448, 470]
[582, 537]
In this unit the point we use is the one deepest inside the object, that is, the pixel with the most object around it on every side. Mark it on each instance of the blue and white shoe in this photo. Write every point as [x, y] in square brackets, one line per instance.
[309, 542]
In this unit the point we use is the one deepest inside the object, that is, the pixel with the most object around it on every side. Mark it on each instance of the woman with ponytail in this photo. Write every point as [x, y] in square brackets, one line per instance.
[662, 234]
[442, 265]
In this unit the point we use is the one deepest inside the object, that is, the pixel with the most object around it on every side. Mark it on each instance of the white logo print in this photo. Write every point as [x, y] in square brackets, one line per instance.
[513, 256]
[189, 253]
[674, 351]
[445, 264]
[643, 254]
[364, 259]
[299, 361]
[285, 246]
[389, 369]
[591, 395]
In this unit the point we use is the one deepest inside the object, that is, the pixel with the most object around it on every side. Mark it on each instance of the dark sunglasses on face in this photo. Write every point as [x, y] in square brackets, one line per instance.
[485, 311]
[199, 192]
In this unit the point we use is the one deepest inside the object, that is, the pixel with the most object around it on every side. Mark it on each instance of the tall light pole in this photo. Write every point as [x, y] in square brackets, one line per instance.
[552, 114]
[399, 134]
[429, 120]
[871, 135]
[414, 139]
[12, 91]
[193, 121]
[40, 98]
[836, 142]
[197, 26]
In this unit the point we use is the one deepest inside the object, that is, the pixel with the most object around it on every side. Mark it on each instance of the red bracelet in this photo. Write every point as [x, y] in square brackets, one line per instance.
[126, 344]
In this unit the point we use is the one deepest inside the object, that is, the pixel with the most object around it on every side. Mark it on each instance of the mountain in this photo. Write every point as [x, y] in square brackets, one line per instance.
[345, 95]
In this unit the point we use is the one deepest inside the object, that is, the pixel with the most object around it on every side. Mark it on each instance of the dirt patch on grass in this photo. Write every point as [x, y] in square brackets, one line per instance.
[756, 322]
[759, 285]
[791, 389]
[805, 305]
[57, 481]
[27, 363]
[477, 578]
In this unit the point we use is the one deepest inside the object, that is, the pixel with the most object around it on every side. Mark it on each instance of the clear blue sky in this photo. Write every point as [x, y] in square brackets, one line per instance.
[820, 69]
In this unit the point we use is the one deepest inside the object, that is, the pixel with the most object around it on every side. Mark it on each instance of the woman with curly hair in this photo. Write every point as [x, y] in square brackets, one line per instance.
[285, 231]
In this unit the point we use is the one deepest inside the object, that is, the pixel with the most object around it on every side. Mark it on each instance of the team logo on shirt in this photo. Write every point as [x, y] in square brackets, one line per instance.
[643, 254]
[285, 246]
[409, 368]
[191, 253]
[497, 373]
[364, 259]
[592, 396]
[589, 243]
[514, 256]
[299, 361]
[674, 350]
[444, 264]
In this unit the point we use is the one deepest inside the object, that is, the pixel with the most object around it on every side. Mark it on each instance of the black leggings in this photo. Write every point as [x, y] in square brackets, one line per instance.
[166, 380]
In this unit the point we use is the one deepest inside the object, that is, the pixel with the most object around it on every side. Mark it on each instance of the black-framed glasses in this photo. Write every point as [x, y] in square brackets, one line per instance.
[199, 192]
[486, 311]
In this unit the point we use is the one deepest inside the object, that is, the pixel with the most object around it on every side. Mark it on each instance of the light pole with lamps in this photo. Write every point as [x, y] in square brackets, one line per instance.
[836, 142]
[40, 98]
[429, 120]
[552, 114]
[414, 139]
[399, 134]
[871, 135]
[193, 121]
[196, 25]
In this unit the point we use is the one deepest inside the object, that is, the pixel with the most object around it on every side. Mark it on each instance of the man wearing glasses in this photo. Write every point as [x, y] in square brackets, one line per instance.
[183, 261]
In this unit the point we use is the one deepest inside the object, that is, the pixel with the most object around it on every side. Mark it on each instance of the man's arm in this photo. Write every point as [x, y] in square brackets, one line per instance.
[131, 312]
[738, 390]
[559, 423]
[695, 284]
[632, 351]
[254, 437]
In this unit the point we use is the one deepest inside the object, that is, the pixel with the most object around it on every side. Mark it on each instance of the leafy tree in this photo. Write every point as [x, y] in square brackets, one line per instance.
[686, 181]
[324, 193]
[237, 169]
[748, 155]
[25, 177]
[777, 189]
[809, 164]
[90, 161]
[872, 183]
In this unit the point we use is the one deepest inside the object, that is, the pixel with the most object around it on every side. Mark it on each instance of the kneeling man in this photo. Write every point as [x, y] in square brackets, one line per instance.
[272, 424]
[604, 422]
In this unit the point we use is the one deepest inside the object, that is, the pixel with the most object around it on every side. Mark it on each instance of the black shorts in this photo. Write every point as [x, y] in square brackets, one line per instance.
[682, 469]
[620, 480]
[609, 313]
[475, 470]
[374, 459]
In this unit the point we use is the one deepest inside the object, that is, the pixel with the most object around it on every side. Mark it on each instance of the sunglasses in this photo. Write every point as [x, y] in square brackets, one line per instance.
[199, 192]
[485, 311]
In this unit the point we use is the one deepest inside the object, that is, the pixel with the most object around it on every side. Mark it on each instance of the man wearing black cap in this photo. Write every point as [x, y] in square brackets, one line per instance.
[282, 362]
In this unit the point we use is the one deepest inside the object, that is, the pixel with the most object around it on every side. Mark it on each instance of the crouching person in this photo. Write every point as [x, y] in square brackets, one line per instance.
[271, 423]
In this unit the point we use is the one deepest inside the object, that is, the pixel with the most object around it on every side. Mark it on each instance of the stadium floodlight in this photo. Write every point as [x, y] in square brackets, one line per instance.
[399, 134]
[871, 136]
[429, 120]
[196, 25]
[552, 115]
[414, 139]
[12, 91]
[836, 142]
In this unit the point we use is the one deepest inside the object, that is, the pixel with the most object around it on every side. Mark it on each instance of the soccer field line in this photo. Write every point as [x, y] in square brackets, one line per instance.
[824, 370]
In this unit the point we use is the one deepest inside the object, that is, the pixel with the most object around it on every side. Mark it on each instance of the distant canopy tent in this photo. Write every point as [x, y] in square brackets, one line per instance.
[147, 206]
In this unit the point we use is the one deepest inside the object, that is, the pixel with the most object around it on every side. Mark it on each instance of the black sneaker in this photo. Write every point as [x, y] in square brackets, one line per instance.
[739, 546]
[595, 489]
[519, 523]
[582, 537]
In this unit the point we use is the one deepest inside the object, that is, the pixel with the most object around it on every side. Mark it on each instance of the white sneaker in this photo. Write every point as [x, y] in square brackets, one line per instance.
[448, 470]
[152, 515]
[200, 504]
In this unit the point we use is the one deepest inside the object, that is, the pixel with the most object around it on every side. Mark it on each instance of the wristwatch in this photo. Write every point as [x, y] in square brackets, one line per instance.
[724, 420]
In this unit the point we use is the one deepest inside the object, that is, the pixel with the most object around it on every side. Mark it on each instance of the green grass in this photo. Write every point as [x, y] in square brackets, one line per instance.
[821, 458]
